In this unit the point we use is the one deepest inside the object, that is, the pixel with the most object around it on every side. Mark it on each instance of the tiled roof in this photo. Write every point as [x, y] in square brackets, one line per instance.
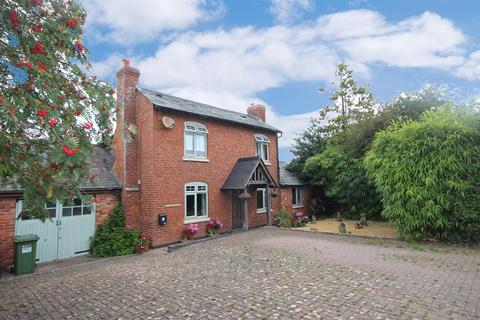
[102, 167]
[288, 178]
[243, 171]
[161, 100]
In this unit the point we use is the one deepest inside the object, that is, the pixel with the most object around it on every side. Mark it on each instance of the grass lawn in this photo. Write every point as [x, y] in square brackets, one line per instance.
[375, 228]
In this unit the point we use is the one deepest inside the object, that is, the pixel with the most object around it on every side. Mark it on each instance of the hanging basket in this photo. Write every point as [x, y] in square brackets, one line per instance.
[244, 195]
[274, 194]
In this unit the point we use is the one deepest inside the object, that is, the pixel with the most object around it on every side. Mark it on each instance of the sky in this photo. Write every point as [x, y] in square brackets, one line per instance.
[231, 53]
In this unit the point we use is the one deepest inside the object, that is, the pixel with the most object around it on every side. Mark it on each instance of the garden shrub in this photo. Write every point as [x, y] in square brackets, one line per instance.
[112, 238]
[428, 175]
[284, 219]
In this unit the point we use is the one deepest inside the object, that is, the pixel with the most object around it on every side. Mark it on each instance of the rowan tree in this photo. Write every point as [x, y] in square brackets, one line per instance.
[51, 110]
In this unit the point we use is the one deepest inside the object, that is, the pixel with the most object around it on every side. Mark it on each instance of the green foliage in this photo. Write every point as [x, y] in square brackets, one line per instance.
[308, 143]
[351, 103]
[51, 110]
[112, 238]
[427, 173]
[344, 179]
[284, 218]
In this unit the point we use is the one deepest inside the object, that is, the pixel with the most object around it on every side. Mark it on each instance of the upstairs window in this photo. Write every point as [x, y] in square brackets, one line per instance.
[196, 201]
[261, 147]
[195, 140]
[296, 197]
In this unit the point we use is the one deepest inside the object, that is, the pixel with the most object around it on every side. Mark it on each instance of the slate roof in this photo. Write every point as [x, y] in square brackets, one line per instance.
[288, 178]
[242, 171]
[161, 100]
[102, 167]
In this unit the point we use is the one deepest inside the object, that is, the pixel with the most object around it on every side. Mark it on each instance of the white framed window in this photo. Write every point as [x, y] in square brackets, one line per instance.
[51, 207]
[196, 201]
[261, 200]
[261, 147]
[297, 197]
[75, 207]
[195, 141]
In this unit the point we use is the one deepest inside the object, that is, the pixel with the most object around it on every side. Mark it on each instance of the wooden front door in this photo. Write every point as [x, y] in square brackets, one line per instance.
[237, 210]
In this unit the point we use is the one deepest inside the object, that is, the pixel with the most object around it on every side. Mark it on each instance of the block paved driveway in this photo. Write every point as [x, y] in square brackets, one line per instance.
[262, 274]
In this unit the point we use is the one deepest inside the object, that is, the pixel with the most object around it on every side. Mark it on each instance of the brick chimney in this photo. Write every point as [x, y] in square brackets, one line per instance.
[257, 110]
[125, 165]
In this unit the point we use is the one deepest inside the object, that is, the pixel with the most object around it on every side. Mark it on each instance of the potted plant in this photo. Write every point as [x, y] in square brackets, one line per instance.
[217, 224]
[142, 245]
[298, 220]
[213, 226]
[188, 233]
[210, 229]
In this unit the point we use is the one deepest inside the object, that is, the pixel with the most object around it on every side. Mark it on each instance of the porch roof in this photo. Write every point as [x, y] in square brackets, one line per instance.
[243, 171]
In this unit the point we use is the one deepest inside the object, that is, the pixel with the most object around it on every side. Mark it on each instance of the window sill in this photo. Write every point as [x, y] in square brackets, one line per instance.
[261, 210]
[195, 220]
[296, 206]
[267, 163]
[195, 159]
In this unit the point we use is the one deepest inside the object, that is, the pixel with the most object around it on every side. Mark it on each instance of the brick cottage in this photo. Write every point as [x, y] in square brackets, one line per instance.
[189, 163]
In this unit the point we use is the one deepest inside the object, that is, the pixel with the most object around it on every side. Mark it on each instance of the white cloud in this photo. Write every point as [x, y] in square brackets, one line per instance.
[105, 69]
[129, 21]
[229, 68]
[427, 40]
[286, 11]
[471, 68]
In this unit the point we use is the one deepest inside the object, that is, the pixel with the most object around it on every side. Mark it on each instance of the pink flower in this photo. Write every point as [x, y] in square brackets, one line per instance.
[193, 228]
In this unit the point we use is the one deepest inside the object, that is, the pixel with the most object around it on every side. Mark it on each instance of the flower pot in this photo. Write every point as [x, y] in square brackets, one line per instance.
[138, 250]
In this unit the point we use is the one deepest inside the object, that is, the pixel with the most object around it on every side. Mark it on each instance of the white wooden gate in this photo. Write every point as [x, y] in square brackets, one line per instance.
[66, 234]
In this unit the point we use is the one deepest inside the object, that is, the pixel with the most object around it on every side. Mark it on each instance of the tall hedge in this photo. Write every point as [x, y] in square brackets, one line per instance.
[428, 176]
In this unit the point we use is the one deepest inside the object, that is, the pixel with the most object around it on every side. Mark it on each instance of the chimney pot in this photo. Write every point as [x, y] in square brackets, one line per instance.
[126, 62]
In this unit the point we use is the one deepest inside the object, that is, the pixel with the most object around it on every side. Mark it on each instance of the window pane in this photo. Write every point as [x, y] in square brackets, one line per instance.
[260, 199]
[189, 144]
[87, 210]
[258, 149]
[200, 145]
[265, 151]
[201, 204]
[66, 212]
[294, 196]
[50, 205]
[190, 210]
[52, 212]
[77, 211]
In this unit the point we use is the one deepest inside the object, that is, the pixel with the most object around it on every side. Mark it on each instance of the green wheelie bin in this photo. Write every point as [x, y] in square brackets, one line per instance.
[25, 253]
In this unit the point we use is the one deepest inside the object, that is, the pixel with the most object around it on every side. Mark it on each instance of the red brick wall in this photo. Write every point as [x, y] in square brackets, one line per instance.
[7, 231]
[126, 155]
[163, 172]
[104, 206]
[226, 144]
[286, 199]
[105, 203]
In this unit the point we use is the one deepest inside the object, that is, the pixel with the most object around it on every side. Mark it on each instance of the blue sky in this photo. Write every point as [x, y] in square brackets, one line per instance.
[278, 52]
